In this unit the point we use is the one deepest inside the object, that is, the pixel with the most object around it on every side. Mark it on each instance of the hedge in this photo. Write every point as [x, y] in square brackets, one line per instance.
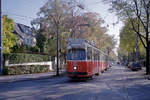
[25, 69]
[15, 58]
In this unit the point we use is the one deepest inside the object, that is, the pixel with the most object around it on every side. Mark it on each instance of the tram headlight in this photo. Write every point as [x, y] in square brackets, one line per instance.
[74, 67]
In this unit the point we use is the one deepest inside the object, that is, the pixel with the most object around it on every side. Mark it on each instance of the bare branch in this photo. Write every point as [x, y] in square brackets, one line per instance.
[145, 5]
[133, 26]
[148, 5]
[137, 13]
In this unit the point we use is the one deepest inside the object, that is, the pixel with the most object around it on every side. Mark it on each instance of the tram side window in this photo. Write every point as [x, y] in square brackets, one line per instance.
[99, 56]
[106, 58]
[96, 55]
[89, 53]
[102, 57]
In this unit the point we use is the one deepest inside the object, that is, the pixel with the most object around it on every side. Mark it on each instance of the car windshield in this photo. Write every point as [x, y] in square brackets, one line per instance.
[76, 54]
[134, 64]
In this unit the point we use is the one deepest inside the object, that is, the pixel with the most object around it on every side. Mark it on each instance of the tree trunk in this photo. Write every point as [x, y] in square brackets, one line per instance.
[147, 61]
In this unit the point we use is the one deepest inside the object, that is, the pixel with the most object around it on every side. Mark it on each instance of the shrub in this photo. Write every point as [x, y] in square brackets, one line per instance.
[5, 70]
[34, 49]
[24, 58]
[25, 69]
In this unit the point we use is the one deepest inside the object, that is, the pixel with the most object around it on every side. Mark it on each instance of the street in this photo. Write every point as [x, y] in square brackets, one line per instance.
[117, 83]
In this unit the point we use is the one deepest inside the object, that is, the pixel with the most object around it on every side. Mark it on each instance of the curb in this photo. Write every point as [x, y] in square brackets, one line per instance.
[30, 78]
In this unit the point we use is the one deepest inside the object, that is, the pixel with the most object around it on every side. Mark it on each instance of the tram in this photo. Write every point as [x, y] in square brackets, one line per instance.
[84, 59]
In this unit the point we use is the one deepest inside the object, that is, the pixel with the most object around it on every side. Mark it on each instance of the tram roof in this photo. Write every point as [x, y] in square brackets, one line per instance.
[83, 42]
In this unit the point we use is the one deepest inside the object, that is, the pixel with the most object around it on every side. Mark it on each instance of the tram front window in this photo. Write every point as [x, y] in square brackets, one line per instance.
[76, 54]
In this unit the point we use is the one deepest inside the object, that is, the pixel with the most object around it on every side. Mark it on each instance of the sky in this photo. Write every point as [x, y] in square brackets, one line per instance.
[26, 8]
[23, 11]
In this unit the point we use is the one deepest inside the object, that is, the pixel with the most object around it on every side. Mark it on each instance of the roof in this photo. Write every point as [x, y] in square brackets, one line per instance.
[22, 30]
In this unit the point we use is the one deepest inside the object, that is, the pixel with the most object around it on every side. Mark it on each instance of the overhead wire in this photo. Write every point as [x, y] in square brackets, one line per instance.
[114, 23]
[29, 17]
[19, 15]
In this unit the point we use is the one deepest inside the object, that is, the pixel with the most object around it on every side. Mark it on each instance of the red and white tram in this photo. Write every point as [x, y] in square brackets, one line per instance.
[84, 59]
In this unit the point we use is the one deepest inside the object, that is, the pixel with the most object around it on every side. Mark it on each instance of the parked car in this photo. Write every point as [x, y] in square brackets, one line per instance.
[130, 64]
[118, 63]
[135, 66]
[126, 63]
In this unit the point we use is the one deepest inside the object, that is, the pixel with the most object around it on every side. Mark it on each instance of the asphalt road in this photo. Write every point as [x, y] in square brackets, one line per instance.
[117, 83]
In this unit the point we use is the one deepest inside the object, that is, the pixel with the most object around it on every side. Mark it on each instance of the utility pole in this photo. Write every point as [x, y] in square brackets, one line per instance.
[137, 48]
[1, 65]
[57, 32]
[57, 74]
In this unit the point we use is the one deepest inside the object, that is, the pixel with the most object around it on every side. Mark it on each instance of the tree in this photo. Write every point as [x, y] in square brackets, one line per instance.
[50, 22]
[9, 39]
[90, 28]
[74, 17]
[128, 41]
[41, 40]
[140, 10]
[68, 19]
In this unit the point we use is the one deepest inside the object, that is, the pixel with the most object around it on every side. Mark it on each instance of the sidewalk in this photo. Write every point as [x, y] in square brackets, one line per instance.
[16, 78]
[143, 73]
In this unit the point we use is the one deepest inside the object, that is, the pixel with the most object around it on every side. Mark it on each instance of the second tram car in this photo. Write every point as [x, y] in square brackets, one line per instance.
[84, 59]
